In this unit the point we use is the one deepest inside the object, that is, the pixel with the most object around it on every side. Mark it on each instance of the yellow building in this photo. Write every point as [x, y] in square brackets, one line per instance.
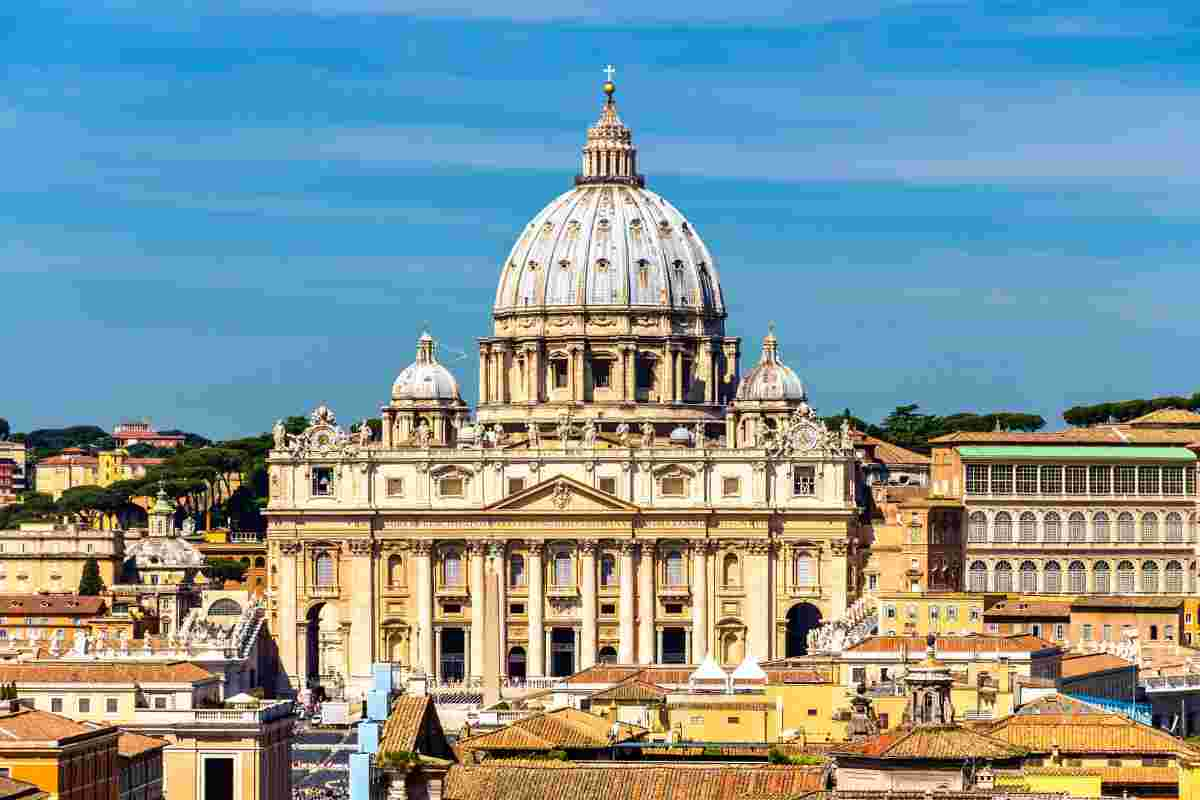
[47, 557]
[76, 467]
[920, 614]
[64, 758]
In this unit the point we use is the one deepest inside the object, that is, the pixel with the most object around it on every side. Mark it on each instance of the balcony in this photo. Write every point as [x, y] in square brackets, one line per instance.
[267, 712]
[562, 591]
[681, 591]
[324, 591]
[246, 537]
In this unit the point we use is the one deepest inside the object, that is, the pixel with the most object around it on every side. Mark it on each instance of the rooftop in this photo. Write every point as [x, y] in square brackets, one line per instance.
[982, 643]
[561, 729]
[1071, 453]
[1130, 602]
[1076, 665]
[41, 604]
[19, 790]
[1086, 734]
[948, 743]
[1098, 435]
[888, 453]
[408, 719]
[102, 672]
[29, 725]
[1028, 609]
[132, 745]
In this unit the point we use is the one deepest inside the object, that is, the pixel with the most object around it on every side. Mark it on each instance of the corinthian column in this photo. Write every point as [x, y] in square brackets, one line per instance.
[361, 647]
[625, 625]
[535, 663]
[422, 549]
[700, 601]
[484, 393]
[478, 551]
[759, 586]
[587, 587]
[646, 605]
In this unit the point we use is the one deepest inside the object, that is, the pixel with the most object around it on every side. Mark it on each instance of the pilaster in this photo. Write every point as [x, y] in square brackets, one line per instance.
[587, 587]
[535, 663]
[625, 625]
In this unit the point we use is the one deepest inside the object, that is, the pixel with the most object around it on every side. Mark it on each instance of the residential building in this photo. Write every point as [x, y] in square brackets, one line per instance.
[915, 542]
[42, 617]
[131, 433]
[918, 614]
[1099, 675]
[48, 557]
[8, 490]
[1155, 622]
[1050, 620]
[77, 467]
[625, 495]
[68, 760]
[18, 454]
[141, 762]
[887, 464]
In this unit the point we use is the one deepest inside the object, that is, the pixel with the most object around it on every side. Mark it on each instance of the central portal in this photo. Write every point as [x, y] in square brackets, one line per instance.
[562, 652]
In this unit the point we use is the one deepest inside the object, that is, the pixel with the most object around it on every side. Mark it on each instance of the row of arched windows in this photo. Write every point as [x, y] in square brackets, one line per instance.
[1126, 578]
[1053, 527]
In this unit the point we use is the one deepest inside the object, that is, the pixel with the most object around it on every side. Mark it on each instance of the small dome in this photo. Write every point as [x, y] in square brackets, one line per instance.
[681, 435]
[771, 379]
[425, 378]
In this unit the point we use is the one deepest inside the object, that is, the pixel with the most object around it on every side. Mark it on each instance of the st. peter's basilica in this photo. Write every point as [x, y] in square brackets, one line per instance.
[622, 492]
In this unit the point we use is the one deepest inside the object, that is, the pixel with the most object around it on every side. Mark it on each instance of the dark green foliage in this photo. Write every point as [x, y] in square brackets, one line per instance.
[46, 442]
[90, 583]
[910, 429]
[220, 570]
[1125, 410]
[5, 429]
[36, 507]
[189, 439]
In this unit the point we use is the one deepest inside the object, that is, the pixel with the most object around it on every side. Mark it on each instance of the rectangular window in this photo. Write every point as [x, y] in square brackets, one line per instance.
[890, 612]
[872, 582]
[1125, 481]
[1076, 480]
[1002, 479]
[732, 720]
[952, 613]
[1106, 633]
[395, 487]
[934, 612]
[85, 705]
[450, 487]
[1027, 479]
[1172, 480]
[110, 705]
[559, 368]
[858, 674]
[1147, 480]
[451, 608]
[56, 705]
[812, 712]
[1189, 481]
[515, 485]
[516, 609]
[322, 481]
[1060, 631]
[1101, 479]
[1087, 632]
[804, 481]
[160, 702]
[608, 609]
[674, 608]
[977, 479]
[608, 485]
[974, 616]
[601, 373]
[1052, 480]
[672, 487]
[731, 487]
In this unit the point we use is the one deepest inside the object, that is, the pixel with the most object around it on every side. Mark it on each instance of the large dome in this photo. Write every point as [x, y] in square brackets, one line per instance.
[610, 242]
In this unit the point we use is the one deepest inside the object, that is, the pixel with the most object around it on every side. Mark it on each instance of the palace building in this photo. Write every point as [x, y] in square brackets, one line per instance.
[623, 492]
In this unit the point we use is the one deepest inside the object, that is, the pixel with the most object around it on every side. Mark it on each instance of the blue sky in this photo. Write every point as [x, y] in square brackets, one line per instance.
[215, 213]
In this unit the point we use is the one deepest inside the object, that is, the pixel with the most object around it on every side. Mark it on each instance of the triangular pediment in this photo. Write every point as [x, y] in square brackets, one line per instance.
[562, 495]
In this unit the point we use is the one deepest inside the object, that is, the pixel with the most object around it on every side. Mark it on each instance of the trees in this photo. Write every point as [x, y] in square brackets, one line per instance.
[1125, 410]
[90, 582]
[5, 429]
[219, 570]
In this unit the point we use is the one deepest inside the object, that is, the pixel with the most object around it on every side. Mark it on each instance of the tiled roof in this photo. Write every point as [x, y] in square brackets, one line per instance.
[632, 689]
[1085, 734]
[40, 604]
[1059, 704]
[888, 453]
[561, 729]
[179, 672]
[1079, 664]
[1167, 416]
[131, 745]
[1026, 609]
[1130, 602]
[403, 724]
[949, 742]
[611, 673]
[709, 705]
[1021, 643]
[1140, 776]
[19, 790]
[39, 726]
[776, 676]
[596, 780]
[69, 458]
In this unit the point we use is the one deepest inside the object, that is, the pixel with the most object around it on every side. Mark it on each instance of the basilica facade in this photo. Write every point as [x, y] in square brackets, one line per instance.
[622, 491]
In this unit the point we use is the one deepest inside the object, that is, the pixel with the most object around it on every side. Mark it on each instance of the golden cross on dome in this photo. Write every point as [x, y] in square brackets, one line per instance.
[609, 71]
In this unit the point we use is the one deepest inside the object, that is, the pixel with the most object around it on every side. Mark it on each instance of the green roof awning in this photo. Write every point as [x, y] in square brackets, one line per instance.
[1074, 453]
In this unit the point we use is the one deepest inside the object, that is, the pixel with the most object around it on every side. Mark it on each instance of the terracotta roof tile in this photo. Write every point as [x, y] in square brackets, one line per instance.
[40, 726]
[1086, 663]
[507, 780]
[1025, 609]
[40, 604]
[561, 729]
[179, 672]
[19, 790]
[777, 676]
[403, 727]
[1167, 416]
[612, 674]
[1021, 643]
[1140, 776]
[1084, 734]
[1130, 602]
[929, 742]
[131, 745]
[888, 453]
[632, 689]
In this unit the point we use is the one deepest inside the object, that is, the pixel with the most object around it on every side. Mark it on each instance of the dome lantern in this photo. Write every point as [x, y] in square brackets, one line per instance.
[609, 155]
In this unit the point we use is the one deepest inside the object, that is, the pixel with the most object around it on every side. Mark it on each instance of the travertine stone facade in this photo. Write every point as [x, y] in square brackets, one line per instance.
[601, 507]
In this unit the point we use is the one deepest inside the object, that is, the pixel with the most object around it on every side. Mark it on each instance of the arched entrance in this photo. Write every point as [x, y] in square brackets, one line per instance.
[322, 655]
[453, 654]
[607, 655]
[801, 619]
[516, 663]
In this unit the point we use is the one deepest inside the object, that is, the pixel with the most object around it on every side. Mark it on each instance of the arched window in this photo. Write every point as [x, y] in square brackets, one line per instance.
[729, 572]
[1149, 527]
[977, 528]
[516, 570]
[802, 574]
[1174, 575]
[1002, 527]
[395, 571]
[562, 569]
[1150, 577]
[1003, 577]
[978, 576]
[1076, 527]
[1125, 527]
[1052, 577]
[608, 570]
[1076, 577]
[1100, 578]
[260, 563]
[1053, 525]
[1125, 577]
[225, 608]
[1100, 527]
[675, 574]
[324, 572]
[452, 572]
[1028, 527]
[1174, 527]
[1028, 577]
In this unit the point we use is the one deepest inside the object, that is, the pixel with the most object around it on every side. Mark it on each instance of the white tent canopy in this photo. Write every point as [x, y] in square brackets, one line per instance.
[708, 671]
[749, 670]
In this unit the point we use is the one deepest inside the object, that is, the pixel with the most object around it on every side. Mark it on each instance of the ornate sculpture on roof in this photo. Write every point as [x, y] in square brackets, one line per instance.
[534, 434]
[805, 433]
[589, 434]
[623, 434]
[364, 433]
[647, 435]
[279, 433]
[322, 437]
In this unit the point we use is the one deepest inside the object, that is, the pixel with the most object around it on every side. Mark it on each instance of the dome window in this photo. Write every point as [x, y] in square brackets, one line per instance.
[602, 265]
[643, 275]
[564, 264]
